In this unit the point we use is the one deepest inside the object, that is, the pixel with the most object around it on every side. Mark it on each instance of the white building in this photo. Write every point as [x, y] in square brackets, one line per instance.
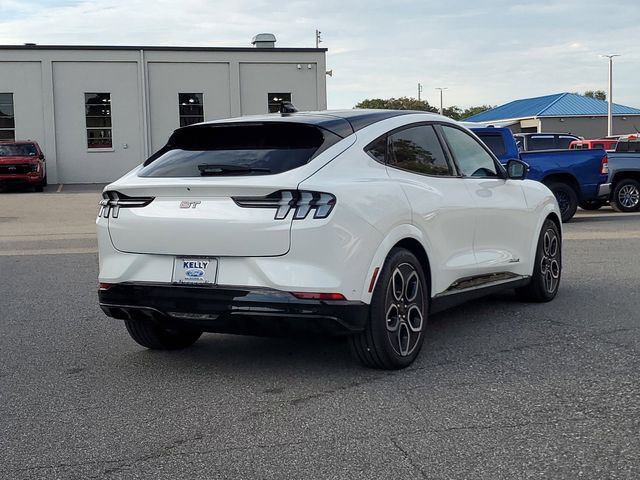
[98, 111]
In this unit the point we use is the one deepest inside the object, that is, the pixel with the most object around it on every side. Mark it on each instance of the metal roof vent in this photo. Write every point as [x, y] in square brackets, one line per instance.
[264, 40]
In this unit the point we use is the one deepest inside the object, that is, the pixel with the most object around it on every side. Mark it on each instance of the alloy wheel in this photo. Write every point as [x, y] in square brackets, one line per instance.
[629, 196]
[404, 307]
[550, 261]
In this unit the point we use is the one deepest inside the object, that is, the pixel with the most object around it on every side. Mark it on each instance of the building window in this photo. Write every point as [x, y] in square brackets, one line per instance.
[98, 117]
[274, 100]
[7, 121]
[191, 108]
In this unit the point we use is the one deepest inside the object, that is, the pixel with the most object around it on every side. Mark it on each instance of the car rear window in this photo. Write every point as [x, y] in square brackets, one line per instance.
[541, 142]
[238, 149]
[495, 142]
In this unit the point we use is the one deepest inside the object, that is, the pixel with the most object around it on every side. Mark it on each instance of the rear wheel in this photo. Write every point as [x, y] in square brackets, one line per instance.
[394, 333]
[592, 204]
[626, 196]
[547, 270]
[153, 336]
[567, 199]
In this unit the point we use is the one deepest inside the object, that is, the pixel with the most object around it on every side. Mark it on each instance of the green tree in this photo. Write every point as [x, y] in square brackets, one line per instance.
[452, 112]
[402, 103]
[597, 94]
[469, 112]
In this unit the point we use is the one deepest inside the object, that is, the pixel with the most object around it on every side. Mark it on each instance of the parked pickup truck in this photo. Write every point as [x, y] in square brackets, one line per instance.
[22, 162]
[624, 174]
[576, 177]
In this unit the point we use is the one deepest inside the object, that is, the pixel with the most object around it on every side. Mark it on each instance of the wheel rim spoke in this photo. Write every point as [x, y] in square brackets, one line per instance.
[404, 337]
[397, 282]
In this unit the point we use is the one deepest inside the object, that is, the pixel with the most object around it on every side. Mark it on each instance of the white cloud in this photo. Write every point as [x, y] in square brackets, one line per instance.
[491, 52]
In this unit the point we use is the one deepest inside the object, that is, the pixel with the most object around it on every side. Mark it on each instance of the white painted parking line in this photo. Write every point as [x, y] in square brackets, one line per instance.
[601, 235]
[59, 188]
[48, 251]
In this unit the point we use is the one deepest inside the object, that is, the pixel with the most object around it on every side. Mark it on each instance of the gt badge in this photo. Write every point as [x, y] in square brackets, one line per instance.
[189, 204]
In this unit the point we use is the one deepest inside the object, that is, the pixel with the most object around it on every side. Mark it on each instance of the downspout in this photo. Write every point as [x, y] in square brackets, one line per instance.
[144, 95]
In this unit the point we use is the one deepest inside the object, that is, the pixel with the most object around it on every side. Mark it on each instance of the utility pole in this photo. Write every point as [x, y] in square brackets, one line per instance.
[419, 90]
[610, 95]
[318, 38]
[441, 89]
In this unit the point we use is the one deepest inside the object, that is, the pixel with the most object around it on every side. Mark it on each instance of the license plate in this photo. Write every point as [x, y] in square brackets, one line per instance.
[195, 270]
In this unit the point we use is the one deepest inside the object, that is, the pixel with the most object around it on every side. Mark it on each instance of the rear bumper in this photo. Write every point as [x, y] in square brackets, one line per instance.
[231, 310]
[604, 190]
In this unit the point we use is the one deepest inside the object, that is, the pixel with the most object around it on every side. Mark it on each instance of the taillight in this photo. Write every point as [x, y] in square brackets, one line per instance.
[300, 201]
[113, 201]
[604, 165]
[104, 286]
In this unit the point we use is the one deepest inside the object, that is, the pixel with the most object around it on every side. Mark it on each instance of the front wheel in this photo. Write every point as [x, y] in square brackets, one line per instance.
[155, 337]
[394, 333]
[626, 196]
[547, 270]
[567, 199]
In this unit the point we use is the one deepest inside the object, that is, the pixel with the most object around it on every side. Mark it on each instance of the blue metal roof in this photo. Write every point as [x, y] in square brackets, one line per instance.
[558, 105]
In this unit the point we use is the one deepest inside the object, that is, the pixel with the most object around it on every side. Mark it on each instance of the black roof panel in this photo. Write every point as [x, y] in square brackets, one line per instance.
[340, 122]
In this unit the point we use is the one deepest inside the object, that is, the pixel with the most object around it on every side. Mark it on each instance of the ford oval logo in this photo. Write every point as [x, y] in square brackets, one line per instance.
[194, 273]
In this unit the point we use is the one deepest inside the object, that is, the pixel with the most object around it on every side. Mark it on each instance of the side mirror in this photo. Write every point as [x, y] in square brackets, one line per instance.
[517, 169]
[41, 156]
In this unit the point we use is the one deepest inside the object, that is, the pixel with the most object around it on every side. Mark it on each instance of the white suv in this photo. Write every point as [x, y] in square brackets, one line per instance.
[354, 222]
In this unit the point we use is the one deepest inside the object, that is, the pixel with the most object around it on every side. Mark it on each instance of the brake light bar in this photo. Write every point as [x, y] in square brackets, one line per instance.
[300, 201]
[113, 201]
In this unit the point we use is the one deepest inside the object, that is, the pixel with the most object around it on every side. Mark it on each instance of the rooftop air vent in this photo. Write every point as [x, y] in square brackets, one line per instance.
[264, 40]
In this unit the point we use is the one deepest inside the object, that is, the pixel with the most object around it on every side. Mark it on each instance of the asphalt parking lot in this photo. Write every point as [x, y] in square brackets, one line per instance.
[502, 389]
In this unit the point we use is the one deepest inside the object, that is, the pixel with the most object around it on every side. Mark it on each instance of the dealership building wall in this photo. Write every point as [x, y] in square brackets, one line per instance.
[49, 88]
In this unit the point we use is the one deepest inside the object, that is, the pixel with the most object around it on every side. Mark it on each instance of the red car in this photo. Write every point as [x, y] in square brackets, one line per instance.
[22, 162]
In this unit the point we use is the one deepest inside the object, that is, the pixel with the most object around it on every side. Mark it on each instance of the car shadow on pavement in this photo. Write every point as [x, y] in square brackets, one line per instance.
[238, 355]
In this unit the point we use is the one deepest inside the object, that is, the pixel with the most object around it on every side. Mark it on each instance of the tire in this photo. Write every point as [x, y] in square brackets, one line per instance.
[547, 269]
[626, 196]
[567, 199]
[394, 333]
[39, 188]
[44, 180]
[592, 204]
[155, 337]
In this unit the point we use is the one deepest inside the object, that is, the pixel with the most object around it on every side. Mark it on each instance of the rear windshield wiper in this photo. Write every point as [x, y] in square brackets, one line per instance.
[213, 169]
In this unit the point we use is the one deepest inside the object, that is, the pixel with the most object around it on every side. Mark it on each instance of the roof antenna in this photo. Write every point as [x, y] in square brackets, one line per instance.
[287, 107]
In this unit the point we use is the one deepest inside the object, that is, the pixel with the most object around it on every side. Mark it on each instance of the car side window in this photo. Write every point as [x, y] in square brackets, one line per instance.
[418, 150]
[378, 149]
[472, 159]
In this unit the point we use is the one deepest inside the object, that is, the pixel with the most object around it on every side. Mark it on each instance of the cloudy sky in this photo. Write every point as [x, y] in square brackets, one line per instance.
[486, 52]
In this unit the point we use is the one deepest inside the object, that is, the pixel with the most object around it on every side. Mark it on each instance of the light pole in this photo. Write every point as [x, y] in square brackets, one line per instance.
[610, 95]
[441, 89]
[419, 90]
